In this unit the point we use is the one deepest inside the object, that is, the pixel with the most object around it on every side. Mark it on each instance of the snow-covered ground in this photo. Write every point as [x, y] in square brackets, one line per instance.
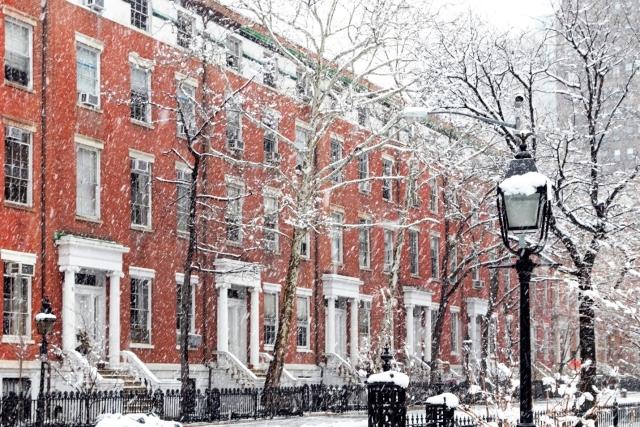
[360, 420]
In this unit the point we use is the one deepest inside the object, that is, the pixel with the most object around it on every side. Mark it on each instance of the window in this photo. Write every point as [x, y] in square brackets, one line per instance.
[364, 326]
[301, 145]
[337, 220]
[192, 314]
[412, 192]
[387, 183]
[302, 83]
[186, 114]
[453, 264]
[475, 273]
[271, 219]
[388, 250]
[234, 53]
[88, 75]
[19, 386]
[433, 195]
[363, 173]
[336, 157]
[270, 318]
[414, 251]
[233, 217]
[270, 69]
[183, 192]
[17, 166]
[16, 319]
[363, 115]
[140, 94]
[270, 123]
[184, 28]
[139, 13]
[434, 252]
[434, 318]
[305, 245]
[141, 192]
[234, 127]
[88, 182]
[631, 153]
[302, 317]
[455, 332]
[140, 310]
[364, 239]
[18, 39]
[616, 155]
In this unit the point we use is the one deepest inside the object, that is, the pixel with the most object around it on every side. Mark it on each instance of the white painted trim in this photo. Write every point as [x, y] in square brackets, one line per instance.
[272, 288]
[16, 339]
[142, 345]
[335, 285]
[88, 142]
[417, 297]
[140, 155]
[183, 79]
[231, 272]
[74, 251]
[90, 42]
[234, 180]
[19, 15]
[454, 309]
[304, 292]
[142, 273]
[477, 306]
[140, 62]
[26, 126]
[195, 280]
[182, 166]
[366, 298]
[21, 257]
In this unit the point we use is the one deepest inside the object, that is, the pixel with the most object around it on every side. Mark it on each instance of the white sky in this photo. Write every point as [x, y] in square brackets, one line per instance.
[504, 14]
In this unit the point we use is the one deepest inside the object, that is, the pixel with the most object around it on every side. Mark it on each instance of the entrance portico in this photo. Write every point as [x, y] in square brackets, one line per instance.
[233, 280]
[417, 304]
[86, 263]
[476, 309]
[338, 290]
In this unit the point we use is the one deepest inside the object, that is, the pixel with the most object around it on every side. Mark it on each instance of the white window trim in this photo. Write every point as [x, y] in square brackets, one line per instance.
[23, 258]
[272, 289]
[98, 47]
[181, 83]
[340, 260]
[147, 67]
[150, 275]
[306, 294]
[456, 310]
[391, 195]
[436, 236]
[194, 283]
[416, 231]
[306, 238]
[97, 148]
[23, 21]
[368, 228]
[387, 268]
[30, 187]
[232, 181]
[19, 15]
[20, 257]
[150, 158]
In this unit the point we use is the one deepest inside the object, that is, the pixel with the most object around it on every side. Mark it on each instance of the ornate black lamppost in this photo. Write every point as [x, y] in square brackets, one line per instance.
[524, 209]
[44, 323]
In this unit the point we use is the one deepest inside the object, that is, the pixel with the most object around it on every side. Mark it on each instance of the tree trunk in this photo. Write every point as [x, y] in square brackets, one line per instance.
[587, 338]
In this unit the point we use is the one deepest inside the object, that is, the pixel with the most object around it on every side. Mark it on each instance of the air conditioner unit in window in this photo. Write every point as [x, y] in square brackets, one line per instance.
[478, 284]
[235, 142]
[140, 165]
[88, 99]
[15, 133]
[272, 157]
[97, 5]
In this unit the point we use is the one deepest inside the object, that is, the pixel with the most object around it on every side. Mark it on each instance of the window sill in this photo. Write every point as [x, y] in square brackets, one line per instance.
[415, 276]
[15, 205]
[140, 123]
[190, 348]
[365, 268]
[182, 234]
[365, 192]
[18, 86]
[234, 244]
[141, 228]
[269, 347]
[88, 219]
[89, 108]
[303, 350]
[142, 346]
[16, 339]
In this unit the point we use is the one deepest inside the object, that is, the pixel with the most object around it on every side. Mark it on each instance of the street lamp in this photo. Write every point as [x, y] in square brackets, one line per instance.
[44, 323]
[524, 209]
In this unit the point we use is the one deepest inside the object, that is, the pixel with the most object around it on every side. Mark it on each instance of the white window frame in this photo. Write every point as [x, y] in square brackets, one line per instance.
[187, 91]
[271, 194]
[270, 123]
[454, 313]
[364, 231]
[387, 182]
[433, 195]
[29, 26]
[335, 141]
[29, 143]
[137, 156]
[20, 258]
[179, 280]
[183, 17]
[149, 275]
[301, 150]
[364, 306]
[300, 294]
[387, 252]
[434, 246]
[337, 232]
[88, 145]
[306, 239]
[96, 47]
[273, 290]
[414, 251]
[239, 186]
[234, 50]
[364, 186]
[148, 14]
[270, 61]
[147, 71]
[183, 175]
[234, 110]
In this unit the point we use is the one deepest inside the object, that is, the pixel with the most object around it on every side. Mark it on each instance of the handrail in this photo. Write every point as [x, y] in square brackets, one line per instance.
[285, 371]
[141, 369]
[342, 362]
[89, 370]
[248, 375]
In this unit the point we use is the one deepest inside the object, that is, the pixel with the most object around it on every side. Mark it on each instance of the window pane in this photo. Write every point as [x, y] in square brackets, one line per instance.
[17, 166]
[140, 192]
[17, 61]
[87, 182]
[16, 302]
[140, 311]
[87, 69]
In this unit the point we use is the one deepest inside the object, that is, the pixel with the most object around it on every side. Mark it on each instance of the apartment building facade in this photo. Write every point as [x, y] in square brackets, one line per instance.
[95, 101]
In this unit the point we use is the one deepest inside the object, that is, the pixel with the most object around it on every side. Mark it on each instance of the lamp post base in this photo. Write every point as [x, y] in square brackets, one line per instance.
[521, 424]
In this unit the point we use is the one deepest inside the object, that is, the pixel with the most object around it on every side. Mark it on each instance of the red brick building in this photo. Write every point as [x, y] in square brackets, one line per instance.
[93, 212]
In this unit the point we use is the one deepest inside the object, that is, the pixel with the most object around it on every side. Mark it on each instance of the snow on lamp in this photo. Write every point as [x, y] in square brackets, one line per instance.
[45, 319]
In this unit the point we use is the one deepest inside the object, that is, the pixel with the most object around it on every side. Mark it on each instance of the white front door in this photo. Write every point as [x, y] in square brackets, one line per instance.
[418, 332]
[238, 327]
[341, 332]
[90, 311]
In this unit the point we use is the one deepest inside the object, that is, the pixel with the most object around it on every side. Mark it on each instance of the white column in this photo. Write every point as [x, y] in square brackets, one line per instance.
[472, 334]
[408, 343]
[254, 337]
[68, 307]
[331, 325]
[427, 333]
[223, 318]
[114, 317]
[353, 332]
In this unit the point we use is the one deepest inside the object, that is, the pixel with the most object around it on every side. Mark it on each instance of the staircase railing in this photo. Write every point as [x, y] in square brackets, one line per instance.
[139, 369]
[342, 368]
[288, 377]
[88, 375]
[237, 369]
